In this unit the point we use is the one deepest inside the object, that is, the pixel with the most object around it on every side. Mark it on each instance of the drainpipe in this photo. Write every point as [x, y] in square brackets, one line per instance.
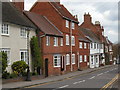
[71, 43]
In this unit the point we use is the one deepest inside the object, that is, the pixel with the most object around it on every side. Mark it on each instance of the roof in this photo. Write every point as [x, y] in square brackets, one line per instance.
[12, 15]
[43, 24]
[64, 12]
[82, 37]
[90, 35]
[107, 41]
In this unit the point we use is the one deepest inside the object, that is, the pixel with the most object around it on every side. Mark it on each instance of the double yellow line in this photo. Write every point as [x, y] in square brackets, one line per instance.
[110, 83]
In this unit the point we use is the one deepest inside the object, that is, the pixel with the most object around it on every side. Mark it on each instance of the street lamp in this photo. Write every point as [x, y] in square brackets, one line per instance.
[28, 68]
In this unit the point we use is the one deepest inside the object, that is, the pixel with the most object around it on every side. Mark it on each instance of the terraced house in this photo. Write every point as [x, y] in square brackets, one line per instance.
[13, 33]
[68, 25]
[65, 45]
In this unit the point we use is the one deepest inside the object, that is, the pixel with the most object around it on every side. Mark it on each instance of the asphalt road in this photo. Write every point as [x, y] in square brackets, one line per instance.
[96, 79]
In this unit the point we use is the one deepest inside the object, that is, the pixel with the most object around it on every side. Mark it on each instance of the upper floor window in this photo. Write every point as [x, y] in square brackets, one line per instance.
[73, 25]
[73, 58]
[80, 58]
[85, 45]
[85, 58]
[7, 51]
[80, 44]
[91, 45]
[110, 48]
[73, 40]
[23, 56]
[97, 46]
[5, 29]
[23, 32]
[94, 45]
[55, 41]
[67, 39]
[67, 23]
[61, 42]
[47, 41]
[56, 60]
[67, 59]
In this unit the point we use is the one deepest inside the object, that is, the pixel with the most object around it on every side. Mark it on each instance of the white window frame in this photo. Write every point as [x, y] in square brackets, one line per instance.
[7, 51]
[5, 29]
[80, 44]
[25, 56]
[73, 25]
[55, 41]
[91, 45]
[61, 42]
[67, 23]
[85, 45]
[81, 58]
[67, 39]
[85, 58]
[23, 32]
[47, 40]
[67, 59]
[73, 40]
[73, 58]
[58, 60]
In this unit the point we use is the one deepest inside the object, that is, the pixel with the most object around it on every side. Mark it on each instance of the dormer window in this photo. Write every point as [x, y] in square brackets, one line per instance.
[67, 23]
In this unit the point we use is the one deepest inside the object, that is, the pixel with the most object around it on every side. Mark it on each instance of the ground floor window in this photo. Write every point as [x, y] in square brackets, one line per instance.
[7, 51]
[67, 59]
[56, 60]
[80, 58]
[73, 58]
[23, 56]
[85, 58]
[91, 59]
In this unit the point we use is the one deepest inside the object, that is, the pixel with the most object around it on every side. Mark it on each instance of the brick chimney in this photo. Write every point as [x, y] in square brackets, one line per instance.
[87, 18]
[19, 4]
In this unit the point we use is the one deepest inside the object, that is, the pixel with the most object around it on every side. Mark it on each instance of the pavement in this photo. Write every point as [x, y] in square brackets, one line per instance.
[22, 84]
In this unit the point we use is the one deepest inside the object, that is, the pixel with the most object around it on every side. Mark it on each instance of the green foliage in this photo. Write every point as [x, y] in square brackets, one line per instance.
[6, 75]
[36, 53]
[3, 61]
[19, 67]
[13, 75]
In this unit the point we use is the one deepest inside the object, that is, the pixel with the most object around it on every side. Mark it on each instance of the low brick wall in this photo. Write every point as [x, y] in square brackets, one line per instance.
[21, 79]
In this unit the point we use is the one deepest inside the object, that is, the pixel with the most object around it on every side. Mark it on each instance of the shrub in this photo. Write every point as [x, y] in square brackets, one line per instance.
[34, 73]
[3, 61]
[13, 75]
[5, 75]
[19, 67]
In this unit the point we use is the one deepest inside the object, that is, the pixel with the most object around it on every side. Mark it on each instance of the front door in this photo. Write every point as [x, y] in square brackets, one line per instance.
[46, 67]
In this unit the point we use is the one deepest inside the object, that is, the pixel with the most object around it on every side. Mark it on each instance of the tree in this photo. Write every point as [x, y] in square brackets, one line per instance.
[3, 61]
[36, 54]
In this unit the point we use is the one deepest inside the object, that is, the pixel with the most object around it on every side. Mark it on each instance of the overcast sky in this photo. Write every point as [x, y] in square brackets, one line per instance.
[105, 11]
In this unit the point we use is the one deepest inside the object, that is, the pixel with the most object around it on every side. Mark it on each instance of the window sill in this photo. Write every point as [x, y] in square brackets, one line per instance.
[56, 66]
[7, 35]
[67, 64]
[73, 63]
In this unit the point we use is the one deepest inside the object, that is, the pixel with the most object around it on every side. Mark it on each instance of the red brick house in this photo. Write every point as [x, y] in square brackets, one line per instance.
[99, 32]
[68, 25]
[51, 43]
[84, 51]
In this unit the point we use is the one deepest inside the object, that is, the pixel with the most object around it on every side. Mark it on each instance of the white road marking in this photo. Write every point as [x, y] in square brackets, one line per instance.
[79, 82]
[92, 77]
[99, 74]
[64, 86]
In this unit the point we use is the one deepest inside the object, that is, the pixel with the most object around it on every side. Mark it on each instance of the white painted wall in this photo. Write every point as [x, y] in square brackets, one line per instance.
[15, 43]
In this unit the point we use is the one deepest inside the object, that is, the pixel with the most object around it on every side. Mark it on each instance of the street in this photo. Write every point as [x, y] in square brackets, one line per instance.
[97, 79]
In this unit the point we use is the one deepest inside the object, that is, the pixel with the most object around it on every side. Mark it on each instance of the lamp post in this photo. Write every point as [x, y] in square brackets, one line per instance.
[28, 68]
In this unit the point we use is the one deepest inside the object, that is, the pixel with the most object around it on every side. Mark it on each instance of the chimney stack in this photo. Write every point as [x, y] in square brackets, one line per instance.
[87, 18]
[19, 4]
